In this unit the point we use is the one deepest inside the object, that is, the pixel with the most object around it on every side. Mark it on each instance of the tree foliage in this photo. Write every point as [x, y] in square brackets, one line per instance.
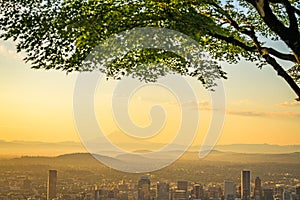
[60, 34]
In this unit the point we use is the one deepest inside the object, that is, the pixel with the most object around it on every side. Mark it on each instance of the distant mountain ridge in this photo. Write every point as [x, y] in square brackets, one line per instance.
[259, 148]
[28, 148]
[214, 156]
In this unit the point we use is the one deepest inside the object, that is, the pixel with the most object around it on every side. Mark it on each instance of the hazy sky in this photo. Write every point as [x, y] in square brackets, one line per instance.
[37, 105]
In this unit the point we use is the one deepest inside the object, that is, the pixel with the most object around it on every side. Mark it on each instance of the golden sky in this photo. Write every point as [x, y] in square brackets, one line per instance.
[37, 105]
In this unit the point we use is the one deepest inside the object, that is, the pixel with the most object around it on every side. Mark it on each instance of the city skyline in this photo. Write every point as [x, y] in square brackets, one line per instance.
[146, 189]
[80, 175]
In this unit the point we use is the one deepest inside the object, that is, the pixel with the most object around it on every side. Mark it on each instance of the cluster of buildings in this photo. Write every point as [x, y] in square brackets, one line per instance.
[183, 190]
[196, 191]
[144, 188]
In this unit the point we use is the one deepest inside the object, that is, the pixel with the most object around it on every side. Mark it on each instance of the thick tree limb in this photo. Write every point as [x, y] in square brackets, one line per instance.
[281, 72]
[265, 52]
[280, 55]
[235, 42]
[251, 33]
[290, 36]
[297, 11]
[291, 13]
[271, 51]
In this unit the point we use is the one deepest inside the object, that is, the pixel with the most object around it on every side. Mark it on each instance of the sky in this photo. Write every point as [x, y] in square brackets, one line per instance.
[37, 105]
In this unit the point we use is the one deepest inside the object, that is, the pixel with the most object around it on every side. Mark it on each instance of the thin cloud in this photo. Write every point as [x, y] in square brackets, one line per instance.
[242, 102]
[249, 113]
[199, 104]
[203, 105]
[245, 113]
[289, 104]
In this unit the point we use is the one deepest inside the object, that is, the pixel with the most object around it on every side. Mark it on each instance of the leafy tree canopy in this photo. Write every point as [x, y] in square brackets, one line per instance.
[60, 34]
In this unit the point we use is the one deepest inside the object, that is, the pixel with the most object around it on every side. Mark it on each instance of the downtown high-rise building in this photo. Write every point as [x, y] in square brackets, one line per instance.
[144, 188]
[229, 190]
[51, 184]
[287, 195]
[182, 186]
[245, 185]
[267, 194]
[298, 192]
[179, 195]
[278, 191]
[257, 189]
[162, 191]
[215, 192]
[198, 191]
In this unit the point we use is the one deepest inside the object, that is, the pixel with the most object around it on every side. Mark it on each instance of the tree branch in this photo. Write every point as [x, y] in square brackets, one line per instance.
[251, 32]
[235, 42]
[281, 72]
[297, 11]
[290, 36]
[229, 18]
[280, 55]
[291, 13]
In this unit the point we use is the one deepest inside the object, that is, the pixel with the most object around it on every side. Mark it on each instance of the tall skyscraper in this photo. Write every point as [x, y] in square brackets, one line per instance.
[183, 186]
[278, 191]
[144, 188]
[245, 184]
[297, 192]
[215, 192]
[267, 194]
[162, 191]
[51, 184]
[179, 195]
[198, 191]
[257, 189]
[229, 190]
[287, 195]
